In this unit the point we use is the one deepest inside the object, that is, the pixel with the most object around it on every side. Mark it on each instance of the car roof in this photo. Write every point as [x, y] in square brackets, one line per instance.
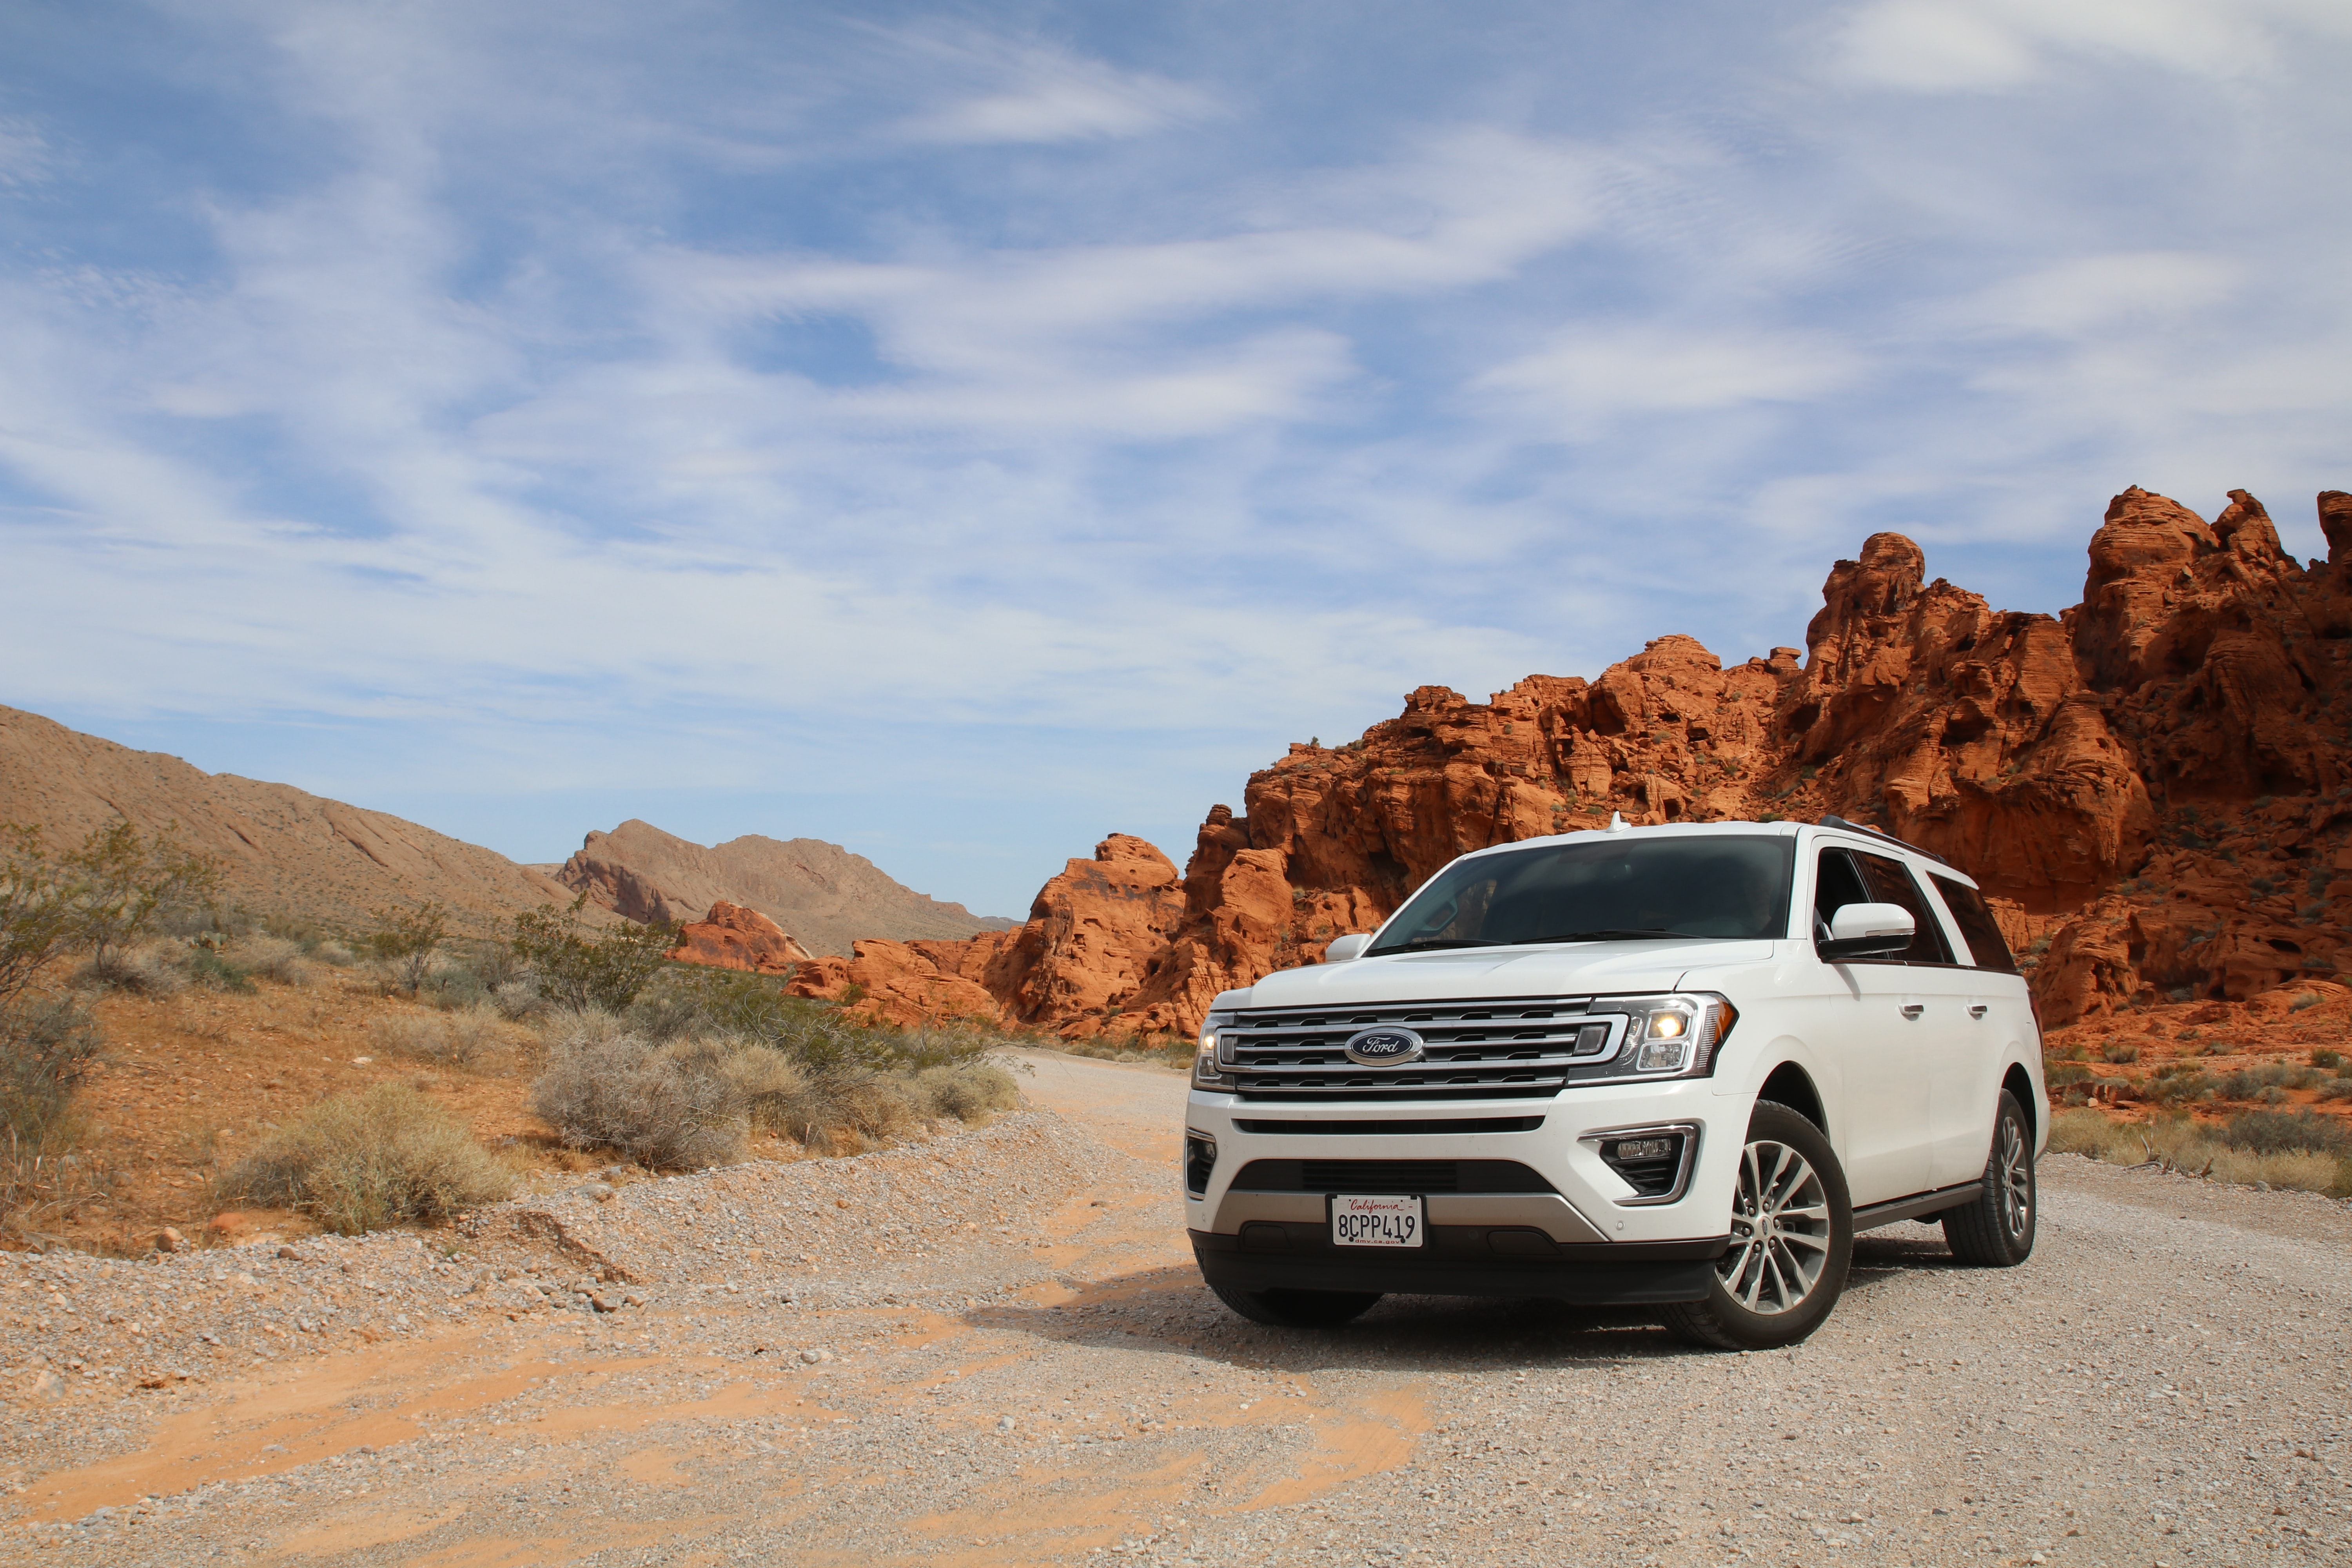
[1851, 835]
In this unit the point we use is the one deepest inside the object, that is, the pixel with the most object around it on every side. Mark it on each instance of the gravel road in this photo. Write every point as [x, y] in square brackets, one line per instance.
[991, 1348]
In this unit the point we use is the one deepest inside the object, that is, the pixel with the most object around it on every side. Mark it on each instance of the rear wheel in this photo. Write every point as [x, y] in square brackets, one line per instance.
[1792, 1242]
[1298, 1309]
[1994, 1229]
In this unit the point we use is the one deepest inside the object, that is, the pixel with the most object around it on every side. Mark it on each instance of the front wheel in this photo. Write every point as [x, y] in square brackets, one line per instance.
[1994, 1229]
[1792, 1242]
[1298, 1309]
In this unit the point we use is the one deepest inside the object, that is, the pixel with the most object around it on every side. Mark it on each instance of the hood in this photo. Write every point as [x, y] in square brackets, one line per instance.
[1565, 969]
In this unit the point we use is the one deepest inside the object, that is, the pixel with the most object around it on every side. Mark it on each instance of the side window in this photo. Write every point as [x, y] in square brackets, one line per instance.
[1836, 885]
[1976, 923]
[1890, 883]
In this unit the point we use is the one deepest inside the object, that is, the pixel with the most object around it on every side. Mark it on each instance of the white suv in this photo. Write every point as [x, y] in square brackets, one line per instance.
[1678, 1065]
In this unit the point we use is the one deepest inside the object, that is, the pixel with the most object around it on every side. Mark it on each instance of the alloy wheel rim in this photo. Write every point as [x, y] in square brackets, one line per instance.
[1779, 1230]
[2016, 1179]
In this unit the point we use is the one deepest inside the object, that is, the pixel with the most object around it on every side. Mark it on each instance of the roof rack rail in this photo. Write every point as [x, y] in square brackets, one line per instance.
[1881, 833]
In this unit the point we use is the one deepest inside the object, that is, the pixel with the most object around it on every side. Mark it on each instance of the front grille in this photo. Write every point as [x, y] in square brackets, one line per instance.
[1390, 1176]
[1523, 1048]
[1430, 1126]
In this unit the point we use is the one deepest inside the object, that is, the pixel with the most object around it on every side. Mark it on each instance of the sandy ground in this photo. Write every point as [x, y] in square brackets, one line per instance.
[992, 1348]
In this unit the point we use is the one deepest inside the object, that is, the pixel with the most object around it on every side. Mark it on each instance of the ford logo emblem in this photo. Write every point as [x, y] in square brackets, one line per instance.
[1384, 1046]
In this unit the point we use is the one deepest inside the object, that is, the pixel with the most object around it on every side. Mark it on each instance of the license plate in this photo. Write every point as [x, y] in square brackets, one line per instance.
[1358, 1221]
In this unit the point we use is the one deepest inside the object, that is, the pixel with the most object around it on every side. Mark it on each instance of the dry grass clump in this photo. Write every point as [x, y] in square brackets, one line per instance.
[385, 1155]
[455, 1040]
[2298, 1150]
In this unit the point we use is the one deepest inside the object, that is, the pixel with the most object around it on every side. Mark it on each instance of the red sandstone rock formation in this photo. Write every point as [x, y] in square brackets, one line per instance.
[892, 983]
[733, 937]
[2149, 785]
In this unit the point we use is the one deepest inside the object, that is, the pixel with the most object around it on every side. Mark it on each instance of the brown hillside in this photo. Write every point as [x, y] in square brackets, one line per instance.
[282, 849]
[2155, 784]
[821, 893]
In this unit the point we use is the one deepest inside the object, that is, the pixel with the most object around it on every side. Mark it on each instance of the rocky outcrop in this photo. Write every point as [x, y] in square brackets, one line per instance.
[895, 982]
[281, 850]
[826, 896]
[733, 937]
[2147, 785]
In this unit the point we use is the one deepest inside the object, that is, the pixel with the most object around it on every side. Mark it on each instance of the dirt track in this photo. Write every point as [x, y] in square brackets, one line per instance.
[994, 1350]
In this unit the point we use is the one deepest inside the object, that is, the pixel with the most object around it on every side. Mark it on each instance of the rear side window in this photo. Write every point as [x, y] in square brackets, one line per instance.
[1891, 882]
[1975, 923]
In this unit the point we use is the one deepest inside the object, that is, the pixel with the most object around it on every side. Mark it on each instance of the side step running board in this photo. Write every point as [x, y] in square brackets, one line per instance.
[1919, 1205]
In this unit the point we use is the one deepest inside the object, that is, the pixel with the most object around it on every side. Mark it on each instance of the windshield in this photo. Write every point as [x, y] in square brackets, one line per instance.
[1602, 890]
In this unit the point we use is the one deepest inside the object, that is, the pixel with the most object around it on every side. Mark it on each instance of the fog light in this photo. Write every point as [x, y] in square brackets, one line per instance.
[1655, 1162]
[1200, 1160]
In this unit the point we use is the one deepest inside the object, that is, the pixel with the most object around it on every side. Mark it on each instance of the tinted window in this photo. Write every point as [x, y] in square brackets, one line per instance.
[1891, 882]
[1986, 944]
[1701, 885]
[1836, 885]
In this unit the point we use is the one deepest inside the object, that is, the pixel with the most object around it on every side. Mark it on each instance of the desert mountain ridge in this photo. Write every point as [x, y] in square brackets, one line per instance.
[2155, 786]
[821, 894]
[280, 849]
[284, 849]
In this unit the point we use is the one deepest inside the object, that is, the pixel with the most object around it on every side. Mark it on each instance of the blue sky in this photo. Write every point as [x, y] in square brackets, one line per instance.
[960, 433]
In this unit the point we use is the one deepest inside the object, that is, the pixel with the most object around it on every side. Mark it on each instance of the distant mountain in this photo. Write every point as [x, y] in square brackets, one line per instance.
[821, 893]
[281, 849]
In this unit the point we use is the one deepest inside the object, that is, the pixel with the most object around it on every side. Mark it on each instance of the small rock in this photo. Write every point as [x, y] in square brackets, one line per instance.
[170, 1240]
[289, 1252]
[1007, 1423]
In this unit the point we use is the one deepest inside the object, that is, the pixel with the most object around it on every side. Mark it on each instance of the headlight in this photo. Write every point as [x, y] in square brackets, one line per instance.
[1672, 1036]
[1206, 1074]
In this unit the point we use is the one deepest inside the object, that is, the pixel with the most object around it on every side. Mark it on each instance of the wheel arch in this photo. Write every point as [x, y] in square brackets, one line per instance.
[2020, 1084]
[1790, 1084]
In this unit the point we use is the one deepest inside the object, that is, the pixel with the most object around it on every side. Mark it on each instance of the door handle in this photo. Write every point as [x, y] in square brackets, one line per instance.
[1977, 1010]
[1912, 1009]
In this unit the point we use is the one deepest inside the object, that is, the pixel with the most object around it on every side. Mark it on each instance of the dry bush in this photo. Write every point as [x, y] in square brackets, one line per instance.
[272, 958]
[2300, 1150]
[456, 1039]
[147, 971]
[382, 1156]
[47, 1045]
[606, 1087]
[968, 1090]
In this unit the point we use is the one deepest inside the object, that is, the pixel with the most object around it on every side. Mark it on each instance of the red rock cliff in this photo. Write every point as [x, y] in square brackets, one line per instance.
[2149, 784]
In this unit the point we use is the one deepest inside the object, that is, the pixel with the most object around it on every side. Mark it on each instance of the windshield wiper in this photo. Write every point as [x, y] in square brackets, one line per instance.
[1607, 933]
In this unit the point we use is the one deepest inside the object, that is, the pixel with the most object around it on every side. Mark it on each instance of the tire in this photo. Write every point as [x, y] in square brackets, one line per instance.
[1792, 1241]
[1298, 1309]
[1994, 1229]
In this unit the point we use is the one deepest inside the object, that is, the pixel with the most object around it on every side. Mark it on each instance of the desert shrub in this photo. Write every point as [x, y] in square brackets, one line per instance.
[273, 958]
[2061, 1073]
[147, 971]
[2248, 1083]
[2117, 1051]
[214, 971]
[336, 953]
[2294, 1150]
[455, 1040]
[577, 966]
[2272, 1131]
[2302, 1000]
[385, 1155]
[607, 1087]
[47, 1047]
[405, 941]
[968, 1090]
[519, 999]
[2321, 1057]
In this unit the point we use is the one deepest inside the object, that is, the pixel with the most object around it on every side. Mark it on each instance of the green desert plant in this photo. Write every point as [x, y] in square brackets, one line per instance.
[407, 940]
[384, 1155]
[577, 966]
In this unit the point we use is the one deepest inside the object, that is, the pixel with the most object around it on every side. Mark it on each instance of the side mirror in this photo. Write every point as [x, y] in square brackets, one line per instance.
[1866, 931]
[1344, 948]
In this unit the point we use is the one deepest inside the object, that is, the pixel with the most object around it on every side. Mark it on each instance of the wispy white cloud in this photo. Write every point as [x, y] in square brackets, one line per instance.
[1044, 95]
[1947, 45]
[1587, 377]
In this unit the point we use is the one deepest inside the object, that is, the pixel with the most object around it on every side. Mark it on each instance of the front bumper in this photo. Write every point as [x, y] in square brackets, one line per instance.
[1460, 1260]
[1591, 1237]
